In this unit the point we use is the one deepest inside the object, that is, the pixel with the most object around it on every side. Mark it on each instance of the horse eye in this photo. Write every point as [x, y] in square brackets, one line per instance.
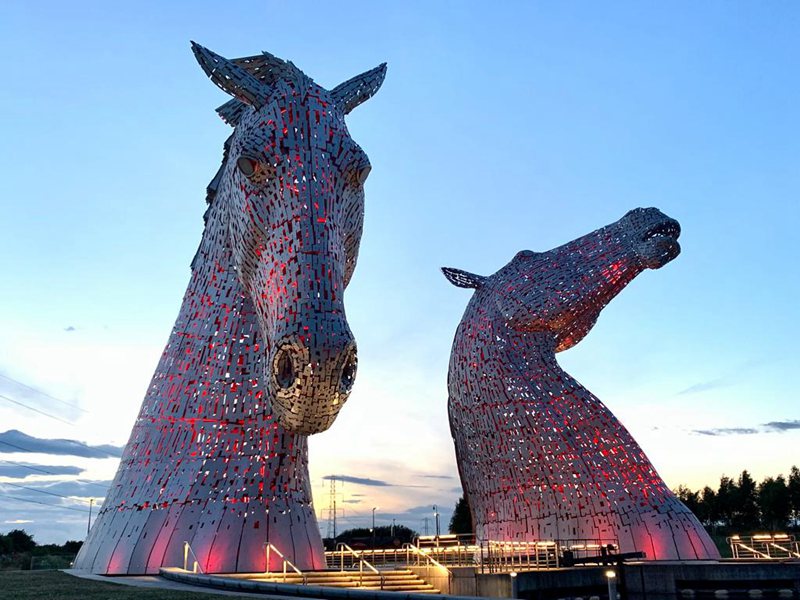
[248, 165]
[363, 173]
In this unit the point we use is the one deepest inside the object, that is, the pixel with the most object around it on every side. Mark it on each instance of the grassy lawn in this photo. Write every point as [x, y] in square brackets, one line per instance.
[54, 585]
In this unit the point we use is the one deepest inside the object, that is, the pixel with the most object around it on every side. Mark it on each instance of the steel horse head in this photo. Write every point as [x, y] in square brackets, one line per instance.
[540, 457]
[261, 355]
[292, 187]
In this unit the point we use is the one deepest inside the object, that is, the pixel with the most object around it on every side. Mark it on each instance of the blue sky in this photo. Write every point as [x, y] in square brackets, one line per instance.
[523, 125]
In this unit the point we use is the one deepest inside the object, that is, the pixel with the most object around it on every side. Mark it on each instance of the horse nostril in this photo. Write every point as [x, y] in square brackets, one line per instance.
[348, 376]
[284, 369]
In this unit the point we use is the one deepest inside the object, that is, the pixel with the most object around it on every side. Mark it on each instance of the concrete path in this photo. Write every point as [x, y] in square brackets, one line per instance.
[154, 581]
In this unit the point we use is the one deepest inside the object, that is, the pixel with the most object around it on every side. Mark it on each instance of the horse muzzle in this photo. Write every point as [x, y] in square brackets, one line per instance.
[311, 380]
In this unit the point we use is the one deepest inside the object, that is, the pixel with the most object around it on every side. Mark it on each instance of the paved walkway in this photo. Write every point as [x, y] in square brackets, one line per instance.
[154, 581]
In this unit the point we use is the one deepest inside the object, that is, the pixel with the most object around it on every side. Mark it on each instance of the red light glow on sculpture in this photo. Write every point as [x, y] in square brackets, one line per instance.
[540, 457]
[261, 355]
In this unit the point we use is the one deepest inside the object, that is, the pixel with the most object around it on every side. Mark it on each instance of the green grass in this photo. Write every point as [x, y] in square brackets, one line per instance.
[55, 585]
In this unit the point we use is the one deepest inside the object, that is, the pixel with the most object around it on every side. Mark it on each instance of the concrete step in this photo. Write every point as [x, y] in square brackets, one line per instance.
[394, 580]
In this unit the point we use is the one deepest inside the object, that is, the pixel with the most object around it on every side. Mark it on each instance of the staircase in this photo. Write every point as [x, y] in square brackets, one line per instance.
[398, 580]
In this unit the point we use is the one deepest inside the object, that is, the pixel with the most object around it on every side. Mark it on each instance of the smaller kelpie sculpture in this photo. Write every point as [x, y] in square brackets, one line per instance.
[540, 457]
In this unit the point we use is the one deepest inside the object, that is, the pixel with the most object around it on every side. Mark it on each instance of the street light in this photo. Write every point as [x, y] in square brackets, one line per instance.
[89, 526]
[611, 576]
[374, 508]
[436, 516]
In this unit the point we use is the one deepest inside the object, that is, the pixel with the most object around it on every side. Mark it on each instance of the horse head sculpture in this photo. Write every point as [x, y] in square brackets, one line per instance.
[261, 355]
[292, 185]
[541, 458]
[562, 291]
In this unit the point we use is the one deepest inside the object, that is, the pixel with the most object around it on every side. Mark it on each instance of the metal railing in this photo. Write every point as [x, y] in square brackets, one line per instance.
[419, 553]
[517, 556]
[440, 541]
[343, 550]
[269, 548]
[186, 550]
[489, 555]
[765, 546]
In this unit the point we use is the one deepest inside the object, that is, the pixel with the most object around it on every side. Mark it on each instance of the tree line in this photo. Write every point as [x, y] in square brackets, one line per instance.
[18, 550]
[744, 506]
[737, 506]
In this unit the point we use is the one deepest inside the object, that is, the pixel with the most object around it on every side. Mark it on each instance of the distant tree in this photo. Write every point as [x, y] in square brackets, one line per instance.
[72, 546]
[361, 537]
[709, 514]
[773, 500]
[21, 541]
[689, 498]
[794, 494]
[461, 521]
[745, 514]
[726, 500]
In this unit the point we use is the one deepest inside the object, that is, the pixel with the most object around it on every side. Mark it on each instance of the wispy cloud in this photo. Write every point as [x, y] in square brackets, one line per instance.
[359, 480]
[32, 398]
[727, 431]
[369, 482]
[17, 441]
[705, 386]
[22, 470]
[771, 427]
[65, 488]
[18, 521]
[783, 425]
[437, 476]
[725, 380]
[69, 328]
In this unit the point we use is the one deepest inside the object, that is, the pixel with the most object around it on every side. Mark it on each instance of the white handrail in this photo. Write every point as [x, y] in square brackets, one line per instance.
[753, 550]
[269, 547]
[186, 549]
[361, 562]
[426, 556]
[787, 550]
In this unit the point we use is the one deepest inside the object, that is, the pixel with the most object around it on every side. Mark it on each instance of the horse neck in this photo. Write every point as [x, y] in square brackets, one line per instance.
[510, 381]
[486, 339]
[211, 376]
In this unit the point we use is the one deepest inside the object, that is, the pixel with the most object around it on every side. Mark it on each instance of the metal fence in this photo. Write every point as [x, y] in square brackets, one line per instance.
[766, 546]
[489, 556]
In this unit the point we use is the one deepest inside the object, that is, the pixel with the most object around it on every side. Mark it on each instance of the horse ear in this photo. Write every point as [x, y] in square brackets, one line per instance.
[463, 279]
[232, 111]
[231, 78]
[360, 88]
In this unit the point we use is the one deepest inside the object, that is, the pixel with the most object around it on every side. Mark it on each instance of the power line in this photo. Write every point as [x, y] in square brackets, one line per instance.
[41, 393]
[41, 491]
[41, 412]
[80, 510]
[102, 454]
[33, 468]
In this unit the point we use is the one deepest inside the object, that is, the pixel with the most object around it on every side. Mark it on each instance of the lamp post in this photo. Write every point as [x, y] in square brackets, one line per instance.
[436, 517]
[373, 529]
[89, 526]
[611, 576]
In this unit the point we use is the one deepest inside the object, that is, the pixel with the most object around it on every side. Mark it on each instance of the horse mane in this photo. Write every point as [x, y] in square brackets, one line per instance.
[268, 69]
[211, 188]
